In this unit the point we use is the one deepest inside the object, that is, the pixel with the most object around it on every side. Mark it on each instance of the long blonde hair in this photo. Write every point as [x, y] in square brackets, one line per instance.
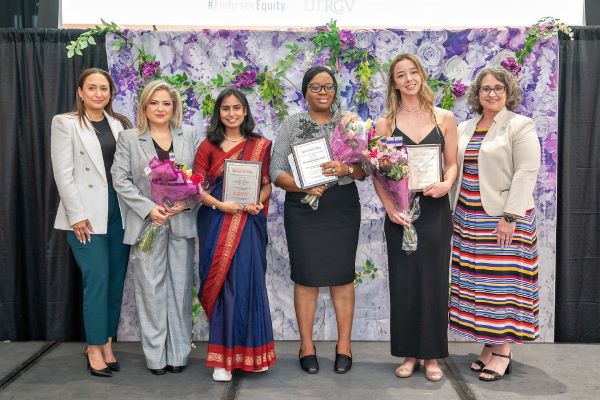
[147, 93]
[393, 100]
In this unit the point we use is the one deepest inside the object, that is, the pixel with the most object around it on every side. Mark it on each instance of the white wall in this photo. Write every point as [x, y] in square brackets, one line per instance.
[309, 13]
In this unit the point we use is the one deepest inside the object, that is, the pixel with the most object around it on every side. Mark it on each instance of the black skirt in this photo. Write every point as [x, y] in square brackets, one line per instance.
[322, 243]
[419, 283]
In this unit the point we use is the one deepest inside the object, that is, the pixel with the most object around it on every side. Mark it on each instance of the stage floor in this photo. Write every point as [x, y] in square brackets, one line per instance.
[38, 370]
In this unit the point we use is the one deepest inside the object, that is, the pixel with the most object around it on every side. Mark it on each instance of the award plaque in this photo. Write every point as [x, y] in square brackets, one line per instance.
[425, 165]
[241, 181]
[308, 157]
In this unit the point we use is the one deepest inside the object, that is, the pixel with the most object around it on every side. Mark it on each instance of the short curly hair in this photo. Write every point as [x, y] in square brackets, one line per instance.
[513, 91]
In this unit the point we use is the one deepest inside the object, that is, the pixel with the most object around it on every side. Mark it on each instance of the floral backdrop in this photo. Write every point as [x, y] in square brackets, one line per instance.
[269, 66]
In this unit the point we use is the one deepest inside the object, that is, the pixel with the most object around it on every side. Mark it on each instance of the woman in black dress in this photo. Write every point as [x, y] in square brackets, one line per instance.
[322, 243]
[419, 281]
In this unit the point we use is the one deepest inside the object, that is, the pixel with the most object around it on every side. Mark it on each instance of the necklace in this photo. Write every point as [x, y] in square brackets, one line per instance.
[412, 111]
[234, 140]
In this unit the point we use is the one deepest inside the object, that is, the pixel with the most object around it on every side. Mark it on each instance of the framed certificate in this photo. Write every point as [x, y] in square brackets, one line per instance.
[241, 181]
[308, 157]
[425, 165]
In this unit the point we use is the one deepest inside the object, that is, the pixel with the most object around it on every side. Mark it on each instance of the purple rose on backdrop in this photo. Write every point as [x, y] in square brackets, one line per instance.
[512, 65]
[347, 39]
[459, 89]
[245, 79]
[322, 28]
[149, 68]
[126, 79]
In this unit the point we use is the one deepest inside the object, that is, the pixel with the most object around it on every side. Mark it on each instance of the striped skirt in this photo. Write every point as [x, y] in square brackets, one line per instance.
[494, 291]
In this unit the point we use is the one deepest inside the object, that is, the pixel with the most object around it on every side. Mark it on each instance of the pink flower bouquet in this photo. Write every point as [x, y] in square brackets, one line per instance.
[389, 160]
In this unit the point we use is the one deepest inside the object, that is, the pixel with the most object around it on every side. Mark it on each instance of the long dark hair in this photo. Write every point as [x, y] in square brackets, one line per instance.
[79, 108]
[216, 131]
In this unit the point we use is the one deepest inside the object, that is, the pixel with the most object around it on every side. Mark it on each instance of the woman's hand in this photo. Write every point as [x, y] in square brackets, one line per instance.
[254, 209]
[83, 231]
[504, 232]
[316, 191]
[178, 207]
[398, 218]
[437, 190]
[159, 215]
[335, 168]
[229, 207]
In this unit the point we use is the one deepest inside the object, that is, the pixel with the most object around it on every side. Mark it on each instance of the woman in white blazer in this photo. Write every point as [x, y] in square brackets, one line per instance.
[83, 143]
[162, 281]
[494, 291]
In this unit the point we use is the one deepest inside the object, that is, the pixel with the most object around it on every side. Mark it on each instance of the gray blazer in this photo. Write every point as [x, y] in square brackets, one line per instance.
[133, 154]
[79, 172]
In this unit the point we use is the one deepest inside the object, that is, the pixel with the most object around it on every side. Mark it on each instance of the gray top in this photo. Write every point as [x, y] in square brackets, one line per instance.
[297, 128]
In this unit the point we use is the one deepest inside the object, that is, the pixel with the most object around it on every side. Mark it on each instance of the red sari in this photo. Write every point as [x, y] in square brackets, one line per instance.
[232, 267]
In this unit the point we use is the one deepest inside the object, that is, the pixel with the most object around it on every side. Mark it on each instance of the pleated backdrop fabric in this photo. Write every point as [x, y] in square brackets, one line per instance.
[40, 285]
[578, 227]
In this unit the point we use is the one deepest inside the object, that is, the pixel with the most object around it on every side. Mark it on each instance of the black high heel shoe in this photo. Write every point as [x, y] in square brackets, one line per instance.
[343, 363]
[104, 372]
[480, 363]
[309, 363]
[495, 375]
[114, 366]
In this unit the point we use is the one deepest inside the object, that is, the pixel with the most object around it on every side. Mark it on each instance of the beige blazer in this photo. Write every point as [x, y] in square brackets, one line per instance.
[79, 173]
[509, 161]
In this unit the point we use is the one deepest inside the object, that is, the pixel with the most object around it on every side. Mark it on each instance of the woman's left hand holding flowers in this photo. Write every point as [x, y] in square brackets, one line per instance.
[178, 207]
[504, 232]
[437, 190]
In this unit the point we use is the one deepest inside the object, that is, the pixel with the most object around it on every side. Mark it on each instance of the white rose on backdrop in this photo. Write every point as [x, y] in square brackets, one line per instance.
[387, 45]
[431, 55]
[364, 38]
[456, 68]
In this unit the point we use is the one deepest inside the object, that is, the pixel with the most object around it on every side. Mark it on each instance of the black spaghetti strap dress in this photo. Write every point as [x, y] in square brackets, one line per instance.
[419, 281]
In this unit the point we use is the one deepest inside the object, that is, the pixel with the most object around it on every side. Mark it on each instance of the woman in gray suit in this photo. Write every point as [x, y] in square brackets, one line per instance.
[82, 148]
[163, 281]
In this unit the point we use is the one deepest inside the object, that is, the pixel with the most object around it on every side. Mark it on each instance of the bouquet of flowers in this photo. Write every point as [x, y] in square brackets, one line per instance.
[348, 144]
[169, 182]
[389, 161]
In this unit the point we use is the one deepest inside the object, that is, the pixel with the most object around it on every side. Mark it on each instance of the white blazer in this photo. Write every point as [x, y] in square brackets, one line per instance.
[509, 161]
[79, 172]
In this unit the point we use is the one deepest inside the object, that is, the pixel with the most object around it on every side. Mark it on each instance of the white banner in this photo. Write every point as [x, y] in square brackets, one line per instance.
[309, 13]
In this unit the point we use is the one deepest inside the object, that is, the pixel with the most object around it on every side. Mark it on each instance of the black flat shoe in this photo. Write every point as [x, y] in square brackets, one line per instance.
[104, 372]
[114, 366]
[177, 369]
[309, 364]
[159, 371]
[342, 364]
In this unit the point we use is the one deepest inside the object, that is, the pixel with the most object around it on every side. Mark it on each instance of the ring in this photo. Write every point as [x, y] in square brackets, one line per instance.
[245, 208]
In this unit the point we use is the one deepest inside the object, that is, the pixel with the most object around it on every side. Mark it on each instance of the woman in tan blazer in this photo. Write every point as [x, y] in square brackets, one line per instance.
[494, 290]
[82, 150]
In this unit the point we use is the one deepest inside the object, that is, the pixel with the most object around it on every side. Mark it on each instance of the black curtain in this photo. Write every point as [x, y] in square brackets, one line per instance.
[40, 285]
[578, 233]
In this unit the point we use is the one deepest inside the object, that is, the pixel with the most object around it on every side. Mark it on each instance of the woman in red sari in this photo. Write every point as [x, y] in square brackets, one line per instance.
[233, 241]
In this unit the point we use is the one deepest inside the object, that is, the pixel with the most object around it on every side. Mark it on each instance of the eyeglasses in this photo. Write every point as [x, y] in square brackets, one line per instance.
[498, 89]
[316, 88]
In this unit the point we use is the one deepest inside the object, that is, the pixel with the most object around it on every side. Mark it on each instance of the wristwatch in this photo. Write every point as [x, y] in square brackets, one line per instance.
[509, 218]
[350, 169]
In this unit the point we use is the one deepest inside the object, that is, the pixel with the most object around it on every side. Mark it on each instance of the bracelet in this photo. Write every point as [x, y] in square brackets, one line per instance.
[214, 205]
[509, 218]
